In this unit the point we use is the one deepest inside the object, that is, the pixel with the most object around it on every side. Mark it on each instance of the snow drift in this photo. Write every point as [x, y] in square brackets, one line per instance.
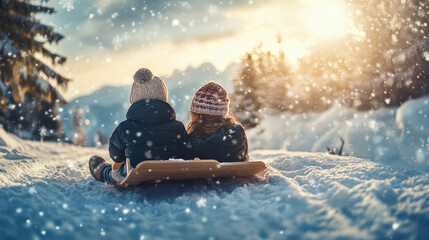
[396, 136]
[47, 193]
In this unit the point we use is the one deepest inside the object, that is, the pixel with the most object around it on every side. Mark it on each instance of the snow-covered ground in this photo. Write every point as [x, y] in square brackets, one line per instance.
[47, 192]
[396, 136]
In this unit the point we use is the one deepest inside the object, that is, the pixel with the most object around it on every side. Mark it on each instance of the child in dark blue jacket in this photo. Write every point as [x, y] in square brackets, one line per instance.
[151, 131]
[215, 134]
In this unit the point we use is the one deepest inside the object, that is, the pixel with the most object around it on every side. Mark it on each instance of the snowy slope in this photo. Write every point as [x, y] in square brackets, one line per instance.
[107, 106]
[47, 192]
[397, 136]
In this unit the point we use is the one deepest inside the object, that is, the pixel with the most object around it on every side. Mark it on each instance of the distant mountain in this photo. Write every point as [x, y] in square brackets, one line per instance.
[105, 108]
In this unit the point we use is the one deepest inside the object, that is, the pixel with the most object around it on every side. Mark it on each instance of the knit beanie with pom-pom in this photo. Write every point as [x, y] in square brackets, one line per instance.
[147, 86]
[211, 99]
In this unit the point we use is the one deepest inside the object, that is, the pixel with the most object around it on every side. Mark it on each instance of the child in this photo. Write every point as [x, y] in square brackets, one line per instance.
[215, 134]
[150, 132]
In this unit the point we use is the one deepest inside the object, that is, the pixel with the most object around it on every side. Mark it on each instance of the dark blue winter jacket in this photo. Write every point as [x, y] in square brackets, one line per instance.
[229, 144]
[150, 132]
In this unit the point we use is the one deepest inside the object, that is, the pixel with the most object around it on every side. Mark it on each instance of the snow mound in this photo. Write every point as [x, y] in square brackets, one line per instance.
[413, 143]
[8, 140]
[398, 137]
[51, 195]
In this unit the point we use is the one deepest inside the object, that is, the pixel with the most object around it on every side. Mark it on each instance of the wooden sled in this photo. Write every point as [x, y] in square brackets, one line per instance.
[148, 171]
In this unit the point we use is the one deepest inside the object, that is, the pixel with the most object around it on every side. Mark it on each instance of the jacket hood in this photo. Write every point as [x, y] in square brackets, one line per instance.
[151, 112]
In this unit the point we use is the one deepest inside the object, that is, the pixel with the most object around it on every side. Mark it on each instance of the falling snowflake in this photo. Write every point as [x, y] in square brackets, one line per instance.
[175, 22]
[426, 56]
[387, 100]
[11, 106]
[212, 9]
[32, 190]
[396, 225]
[119, 40]
[202, 202]
[148, 154]
[125, 36]
[43, 131]
[99, 11]
[67, 4]
[114, 15]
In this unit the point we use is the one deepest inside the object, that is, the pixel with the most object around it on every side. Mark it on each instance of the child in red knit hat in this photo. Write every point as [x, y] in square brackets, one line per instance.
[215, 134]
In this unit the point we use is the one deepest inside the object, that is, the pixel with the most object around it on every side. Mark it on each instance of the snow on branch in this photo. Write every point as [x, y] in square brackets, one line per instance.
[45, 90]
[41, 67]
[28, 44]
[55, 58]
[42, 84]
[31, 25]
[24, 8]
[7, 49]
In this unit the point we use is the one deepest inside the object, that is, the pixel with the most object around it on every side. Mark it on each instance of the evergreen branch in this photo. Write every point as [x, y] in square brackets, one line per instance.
[41, 89]
[11, 31]
[30, 45]
[23, 8]
[41, 67]
[7, 48]
[55, 58]
[20, 72]
[31, 25]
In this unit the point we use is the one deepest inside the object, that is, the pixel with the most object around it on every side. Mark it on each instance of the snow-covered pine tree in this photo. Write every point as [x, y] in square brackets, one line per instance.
[25, 121]
[246, 103]
[383, 65]
[48, 125]
[263, 72]
[328, 74]
[22, 36]
[100, 139]
[390, 29]
[278, 83]
[79, 136]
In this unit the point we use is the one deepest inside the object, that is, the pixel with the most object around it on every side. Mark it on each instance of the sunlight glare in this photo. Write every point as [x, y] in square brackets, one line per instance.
[292, 48]
[325, 19]
[294, 51]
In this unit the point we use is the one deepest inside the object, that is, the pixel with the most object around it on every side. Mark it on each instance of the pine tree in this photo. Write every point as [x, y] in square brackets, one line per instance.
[246, 101]
[22, 36]
[278, 83]
[100, 139]
[392, 29]
[25, 121]
[79, 136]
[48, 125]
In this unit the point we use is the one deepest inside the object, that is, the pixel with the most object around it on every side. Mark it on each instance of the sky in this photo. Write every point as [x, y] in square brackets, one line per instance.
[106, 41]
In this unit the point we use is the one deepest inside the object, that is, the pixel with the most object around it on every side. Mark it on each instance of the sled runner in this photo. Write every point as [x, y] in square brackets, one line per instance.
[148, 171]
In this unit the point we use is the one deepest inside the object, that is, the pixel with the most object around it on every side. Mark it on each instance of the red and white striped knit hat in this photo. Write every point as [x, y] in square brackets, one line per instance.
[211, 99]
